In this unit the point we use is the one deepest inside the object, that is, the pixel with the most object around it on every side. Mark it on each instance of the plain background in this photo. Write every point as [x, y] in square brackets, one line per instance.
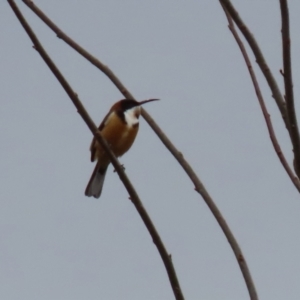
[58, 244]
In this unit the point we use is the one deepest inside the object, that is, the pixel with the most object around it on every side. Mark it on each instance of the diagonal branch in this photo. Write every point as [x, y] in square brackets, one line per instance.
[288, 83]
[199, 187]
[259, 59]
[133, 194]
[92, 59]
[260, 98]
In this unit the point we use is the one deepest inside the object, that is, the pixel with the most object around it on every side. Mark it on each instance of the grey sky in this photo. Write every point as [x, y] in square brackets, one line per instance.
[58, 244]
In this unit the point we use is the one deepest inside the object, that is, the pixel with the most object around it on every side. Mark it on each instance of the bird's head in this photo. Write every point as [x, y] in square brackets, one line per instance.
[129, 110]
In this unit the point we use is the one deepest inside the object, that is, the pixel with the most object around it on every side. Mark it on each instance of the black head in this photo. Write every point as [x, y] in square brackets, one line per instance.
[126, 104]
[130, 103]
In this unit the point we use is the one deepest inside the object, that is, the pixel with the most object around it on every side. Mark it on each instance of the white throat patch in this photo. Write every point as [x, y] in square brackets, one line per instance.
[131, 116]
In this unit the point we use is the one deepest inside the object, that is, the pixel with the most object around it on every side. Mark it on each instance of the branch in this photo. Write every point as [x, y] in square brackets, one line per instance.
[265, 112]
[133, 194]
[288, 83]
[259, 59]
[199, 187]
[92, 59]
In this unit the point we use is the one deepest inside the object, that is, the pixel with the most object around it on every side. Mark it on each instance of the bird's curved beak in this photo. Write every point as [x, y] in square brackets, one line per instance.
[146, 101]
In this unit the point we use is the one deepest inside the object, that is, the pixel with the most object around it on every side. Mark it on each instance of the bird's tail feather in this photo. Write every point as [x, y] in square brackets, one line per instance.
[94, 187]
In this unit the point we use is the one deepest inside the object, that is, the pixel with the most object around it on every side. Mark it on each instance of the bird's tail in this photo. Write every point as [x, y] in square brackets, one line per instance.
[94, 187]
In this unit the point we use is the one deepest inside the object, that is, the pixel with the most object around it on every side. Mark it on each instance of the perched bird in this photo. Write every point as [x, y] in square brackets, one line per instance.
[119, 128]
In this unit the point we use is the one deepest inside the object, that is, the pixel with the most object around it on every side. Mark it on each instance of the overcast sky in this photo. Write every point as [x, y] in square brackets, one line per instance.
[58, 244]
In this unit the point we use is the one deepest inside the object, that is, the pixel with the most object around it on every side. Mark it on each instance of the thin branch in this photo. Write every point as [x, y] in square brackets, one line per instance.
[199, 187]
[260, 98]
[133, 194]
[92, 59]
[288, 83]
[259, 59]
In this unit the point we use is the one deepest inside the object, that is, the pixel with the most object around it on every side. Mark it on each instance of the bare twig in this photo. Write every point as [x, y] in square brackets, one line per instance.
[288, 83]
[259, 59]
[133, 194]
[92, 59]
[199, 187]
[267, 117]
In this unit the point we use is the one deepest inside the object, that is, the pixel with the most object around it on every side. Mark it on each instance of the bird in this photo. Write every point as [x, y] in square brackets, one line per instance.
[119, 128]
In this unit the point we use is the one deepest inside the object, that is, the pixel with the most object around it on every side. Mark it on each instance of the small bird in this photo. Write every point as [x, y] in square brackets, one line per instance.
[119, 128]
